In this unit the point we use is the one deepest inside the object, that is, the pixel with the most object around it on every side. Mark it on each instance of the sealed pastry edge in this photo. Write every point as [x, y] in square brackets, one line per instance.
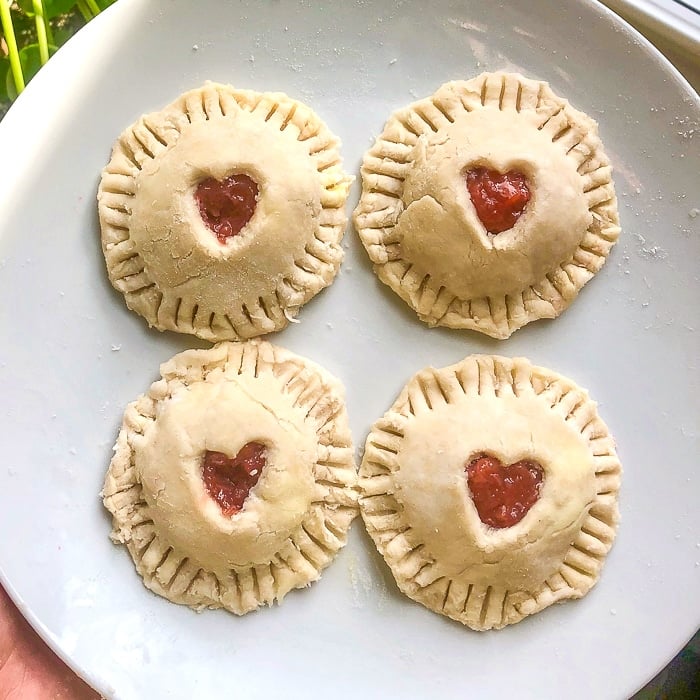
[170, 572]
[156, 133]
[381, 205]
[416, 571]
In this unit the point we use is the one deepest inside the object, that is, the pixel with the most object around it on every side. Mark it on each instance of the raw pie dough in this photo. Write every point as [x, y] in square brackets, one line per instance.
[418, 223]
[417, 507]
[295, 518]
[160, 254]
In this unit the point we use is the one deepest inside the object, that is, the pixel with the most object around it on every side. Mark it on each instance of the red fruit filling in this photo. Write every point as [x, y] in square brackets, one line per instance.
[226, 206]
[503, 494]
[499, 198]
[228, 480]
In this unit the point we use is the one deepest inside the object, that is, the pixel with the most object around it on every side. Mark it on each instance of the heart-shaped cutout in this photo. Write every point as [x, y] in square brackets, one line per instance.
[503, 494]
[226, 206]
[499, 198]
[228, 480]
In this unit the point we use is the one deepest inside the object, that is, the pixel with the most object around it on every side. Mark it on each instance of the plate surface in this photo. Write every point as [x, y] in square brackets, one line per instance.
[72, 356]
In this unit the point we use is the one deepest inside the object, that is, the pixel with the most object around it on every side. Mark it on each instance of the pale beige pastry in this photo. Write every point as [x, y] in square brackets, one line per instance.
[426, 234]
[175, 179]
[470, 544]
[238, 415]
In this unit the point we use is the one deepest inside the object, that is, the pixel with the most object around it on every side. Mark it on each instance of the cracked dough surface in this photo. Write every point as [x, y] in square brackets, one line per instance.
[417, 507]
[160, 253]
[295, 518]
[421, 231]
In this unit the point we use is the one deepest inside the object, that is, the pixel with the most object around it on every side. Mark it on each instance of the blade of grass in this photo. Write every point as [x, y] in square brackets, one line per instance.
[49, 32]
[41, 31]
[9, 32]
[94, 7]
[84, 10]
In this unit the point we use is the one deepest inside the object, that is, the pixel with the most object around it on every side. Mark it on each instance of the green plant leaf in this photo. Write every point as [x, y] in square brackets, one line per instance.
[4, 71]
[30, 60]
[26, 6]
[102, 4]
[52, 8]
[10, 88]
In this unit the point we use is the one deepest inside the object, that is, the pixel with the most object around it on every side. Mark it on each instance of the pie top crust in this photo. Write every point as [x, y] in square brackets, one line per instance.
[417, 506]
[294, 519]
[160, 253]
[421, 229]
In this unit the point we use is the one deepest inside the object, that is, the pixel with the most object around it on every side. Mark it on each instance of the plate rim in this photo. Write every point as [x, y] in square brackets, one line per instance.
[12, 124]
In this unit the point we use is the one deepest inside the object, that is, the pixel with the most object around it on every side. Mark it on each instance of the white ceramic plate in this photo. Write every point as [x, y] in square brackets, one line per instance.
[72, 356]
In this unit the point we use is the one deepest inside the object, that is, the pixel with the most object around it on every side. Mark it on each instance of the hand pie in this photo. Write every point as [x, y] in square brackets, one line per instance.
[488, 205]
[222, 214]
[233, 478]
[490, 487]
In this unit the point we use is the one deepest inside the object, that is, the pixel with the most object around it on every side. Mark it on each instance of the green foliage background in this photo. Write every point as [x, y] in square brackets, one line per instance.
[61, 19]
